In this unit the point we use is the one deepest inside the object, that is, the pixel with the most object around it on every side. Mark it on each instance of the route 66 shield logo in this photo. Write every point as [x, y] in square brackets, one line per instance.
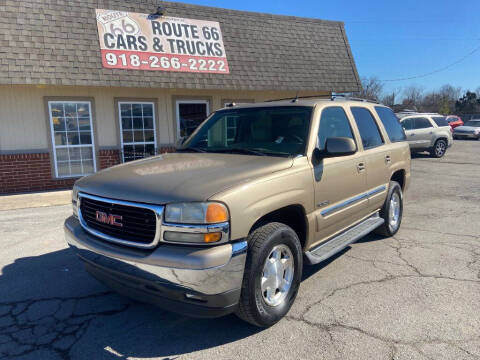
[117, 22]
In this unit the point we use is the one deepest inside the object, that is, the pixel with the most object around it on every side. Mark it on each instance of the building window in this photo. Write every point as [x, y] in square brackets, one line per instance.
[72, 138]
[231, 121]
[190, 114]
[230, 127]
[137, 130]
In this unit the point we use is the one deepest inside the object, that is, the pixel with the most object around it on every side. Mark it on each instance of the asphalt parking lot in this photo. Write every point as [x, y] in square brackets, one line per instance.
[414, 296]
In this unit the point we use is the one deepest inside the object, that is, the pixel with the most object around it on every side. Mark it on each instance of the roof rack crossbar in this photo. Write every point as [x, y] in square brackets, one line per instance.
[327, 96]
[301, 97]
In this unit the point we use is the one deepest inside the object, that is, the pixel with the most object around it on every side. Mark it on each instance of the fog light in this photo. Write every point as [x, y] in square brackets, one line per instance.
[182, 237]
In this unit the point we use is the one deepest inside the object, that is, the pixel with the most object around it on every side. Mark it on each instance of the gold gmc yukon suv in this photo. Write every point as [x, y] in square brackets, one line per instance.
[226, 222]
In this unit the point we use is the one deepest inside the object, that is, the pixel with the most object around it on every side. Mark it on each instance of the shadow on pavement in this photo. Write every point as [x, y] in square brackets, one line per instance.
[51, 308]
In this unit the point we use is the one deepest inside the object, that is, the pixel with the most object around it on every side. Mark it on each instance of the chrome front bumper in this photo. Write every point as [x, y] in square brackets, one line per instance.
[204, 277]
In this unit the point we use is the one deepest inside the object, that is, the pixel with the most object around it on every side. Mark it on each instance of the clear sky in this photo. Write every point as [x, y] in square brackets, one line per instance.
[396, 39]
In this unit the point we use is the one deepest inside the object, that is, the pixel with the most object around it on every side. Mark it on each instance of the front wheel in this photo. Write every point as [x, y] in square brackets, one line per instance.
[392, 210]
[439, 149]
[273, 271]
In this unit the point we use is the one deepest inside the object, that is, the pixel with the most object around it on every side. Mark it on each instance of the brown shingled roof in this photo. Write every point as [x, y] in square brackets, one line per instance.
[56, 42]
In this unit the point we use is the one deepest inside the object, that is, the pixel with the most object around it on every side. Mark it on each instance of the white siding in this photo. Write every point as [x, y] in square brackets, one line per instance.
[23, 122]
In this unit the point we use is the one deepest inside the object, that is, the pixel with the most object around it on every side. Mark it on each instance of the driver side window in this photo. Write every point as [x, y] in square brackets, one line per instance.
[333, 123]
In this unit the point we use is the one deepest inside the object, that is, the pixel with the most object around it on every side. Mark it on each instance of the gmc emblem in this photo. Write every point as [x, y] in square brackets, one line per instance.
[109, 219]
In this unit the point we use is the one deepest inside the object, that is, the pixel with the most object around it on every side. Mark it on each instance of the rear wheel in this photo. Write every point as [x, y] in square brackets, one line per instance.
[439, 149]
[392, 210]
[272, 274]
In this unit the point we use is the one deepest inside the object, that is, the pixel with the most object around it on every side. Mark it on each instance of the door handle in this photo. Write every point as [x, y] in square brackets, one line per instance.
[388, 159]
[412, 134]
[361, 167]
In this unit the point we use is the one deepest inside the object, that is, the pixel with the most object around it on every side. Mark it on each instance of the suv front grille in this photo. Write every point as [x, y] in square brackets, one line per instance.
[120, 221]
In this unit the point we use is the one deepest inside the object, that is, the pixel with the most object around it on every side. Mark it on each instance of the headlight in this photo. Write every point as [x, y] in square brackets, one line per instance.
[75, 201]
[196, 213]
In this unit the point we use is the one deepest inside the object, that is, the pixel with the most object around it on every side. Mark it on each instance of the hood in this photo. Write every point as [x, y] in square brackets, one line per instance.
[466, 128]
[179, 176]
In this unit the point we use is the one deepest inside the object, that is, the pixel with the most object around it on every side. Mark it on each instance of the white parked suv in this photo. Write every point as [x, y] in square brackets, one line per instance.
[427, 132]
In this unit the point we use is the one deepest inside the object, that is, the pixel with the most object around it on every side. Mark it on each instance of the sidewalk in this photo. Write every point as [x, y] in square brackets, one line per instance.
[34, 200]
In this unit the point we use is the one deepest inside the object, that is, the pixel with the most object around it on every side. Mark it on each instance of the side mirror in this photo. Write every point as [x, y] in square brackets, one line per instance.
[334, 146]
[340, 146]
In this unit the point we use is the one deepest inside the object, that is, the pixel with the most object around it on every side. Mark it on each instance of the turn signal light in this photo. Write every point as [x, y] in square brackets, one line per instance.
[216, 213]
[212, 237]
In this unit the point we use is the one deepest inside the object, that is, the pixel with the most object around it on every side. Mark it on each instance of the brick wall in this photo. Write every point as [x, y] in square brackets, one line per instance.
[33, 172]
[108, 158]
[28, 172]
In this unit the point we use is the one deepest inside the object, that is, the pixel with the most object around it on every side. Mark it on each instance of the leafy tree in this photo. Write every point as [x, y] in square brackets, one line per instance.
[468, 103]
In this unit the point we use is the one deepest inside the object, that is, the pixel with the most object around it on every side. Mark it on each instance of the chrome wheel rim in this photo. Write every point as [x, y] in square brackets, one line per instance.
[394, 213]
[440, 148]
[277, 275]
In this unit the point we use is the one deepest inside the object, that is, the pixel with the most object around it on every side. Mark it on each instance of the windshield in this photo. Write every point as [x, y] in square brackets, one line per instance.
[474, 123]
[277, 131]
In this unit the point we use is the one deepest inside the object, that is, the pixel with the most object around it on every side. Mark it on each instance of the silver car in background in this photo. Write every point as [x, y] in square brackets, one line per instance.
[427, 132]
[470, 130]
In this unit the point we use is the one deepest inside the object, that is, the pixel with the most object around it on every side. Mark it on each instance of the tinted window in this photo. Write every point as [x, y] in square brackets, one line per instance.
[368, 127]
[333, 123]
[440, 120]
[281, 131]
[390, 122]
[474, 123]
[422, 123]
[407, 124]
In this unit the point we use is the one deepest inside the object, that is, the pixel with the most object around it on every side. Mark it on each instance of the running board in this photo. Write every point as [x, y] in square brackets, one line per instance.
[341, 241]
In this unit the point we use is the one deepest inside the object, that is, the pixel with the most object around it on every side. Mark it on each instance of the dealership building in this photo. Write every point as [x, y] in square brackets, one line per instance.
[89, 84]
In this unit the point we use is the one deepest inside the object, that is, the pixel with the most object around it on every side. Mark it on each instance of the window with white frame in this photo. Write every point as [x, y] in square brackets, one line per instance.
[137, 129]
[72, 138]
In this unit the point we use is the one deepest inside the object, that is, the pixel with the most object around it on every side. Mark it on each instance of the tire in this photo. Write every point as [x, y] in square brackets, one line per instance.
[439, 149]
[390, 227]
[253, 306]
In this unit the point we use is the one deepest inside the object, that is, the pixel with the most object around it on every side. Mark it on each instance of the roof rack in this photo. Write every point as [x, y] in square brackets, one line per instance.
[332, 97]
[295, 98]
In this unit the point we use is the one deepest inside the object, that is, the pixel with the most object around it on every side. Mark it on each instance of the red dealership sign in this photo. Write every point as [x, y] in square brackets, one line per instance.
[132, 41]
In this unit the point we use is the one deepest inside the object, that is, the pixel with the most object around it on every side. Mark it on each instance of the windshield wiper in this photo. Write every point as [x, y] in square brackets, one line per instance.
[194, 149]
[241, 151]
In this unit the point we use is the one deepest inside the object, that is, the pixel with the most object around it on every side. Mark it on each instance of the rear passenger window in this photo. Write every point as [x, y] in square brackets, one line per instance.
[440, 120]
[333, 123]
[368, 127]
[422, 123]
[390, 122]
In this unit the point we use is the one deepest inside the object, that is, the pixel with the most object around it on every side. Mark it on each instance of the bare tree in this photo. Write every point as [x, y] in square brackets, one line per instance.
[412, 97]
[371, 88]
[391, 97]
